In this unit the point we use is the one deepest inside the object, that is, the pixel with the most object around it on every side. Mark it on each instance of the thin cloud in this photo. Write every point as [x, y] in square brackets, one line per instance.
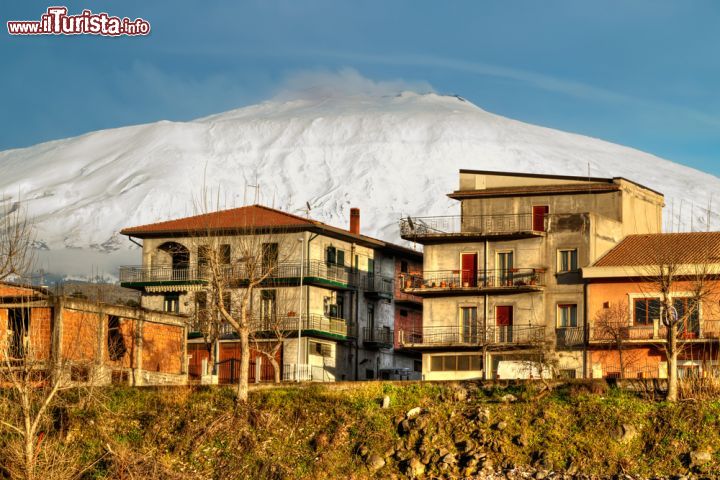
[319, 84]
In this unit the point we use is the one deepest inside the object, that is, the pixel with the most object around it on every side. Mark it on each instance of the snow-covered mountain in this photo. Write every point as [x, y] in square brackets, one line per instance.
[388, 155]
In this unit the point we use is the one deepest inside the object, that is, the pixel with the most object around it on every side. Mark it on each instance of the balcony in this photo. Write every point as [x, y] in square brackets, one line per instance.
[472, 337]
[697, 331]
[286, 326]
[569, 337]
[463, 282]
[472, 227]
[382, 337]
[169, 278]
[376, 286]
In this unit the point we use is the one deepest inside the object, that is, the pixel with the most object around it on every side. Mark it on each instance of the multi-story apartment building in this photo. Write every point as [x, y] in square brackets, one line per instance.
[501, 282]
[627, 335]
[330, 290]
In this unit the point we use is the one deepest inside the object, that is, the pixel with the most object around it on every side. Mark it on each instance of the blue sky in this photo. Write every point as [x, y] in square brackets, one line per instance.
[643, 73]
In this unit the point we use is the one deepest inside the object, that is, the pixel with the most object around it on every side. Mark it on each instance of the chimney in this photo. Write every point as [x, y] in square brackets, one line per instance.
[355, 221]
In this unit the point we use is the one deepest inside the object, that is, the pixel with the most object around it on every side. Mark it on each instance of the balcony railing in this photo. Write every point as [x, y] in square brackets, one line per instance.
[473, 335]
[622, 332]
[470, 225]
[199, 274]
[382, 336]
[466, 279]
[284, 324]
[567, 337]
[375, 283]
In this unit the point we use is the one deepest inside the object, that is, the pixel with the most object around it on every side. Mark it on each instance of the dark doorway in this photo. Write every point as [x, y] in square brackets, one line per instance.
[19, 326]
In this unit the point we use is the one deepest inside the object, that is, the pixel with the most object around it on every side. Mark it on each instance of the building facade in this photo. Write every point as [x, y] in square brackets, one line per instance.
[329, 298]
[501, 282]
[92, 342]
[627, 335]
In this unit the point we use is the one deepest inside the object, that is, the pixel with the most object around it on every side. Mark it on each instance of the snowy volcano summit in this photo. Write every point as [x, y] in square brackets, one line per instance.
[388, 155]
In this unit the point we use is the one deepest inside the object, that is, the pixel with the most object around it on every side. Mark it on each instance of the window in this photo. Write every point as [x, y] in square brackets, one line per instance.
[340, 257]
[270, 256]
[504, 268]
[225, 254]
[340, 307]
[567, 260]
[417, 365]
[403, 266]
[330, 255]
[115, 340]
[369, 374]
[403, 313]
[321, 349]
[449, 363]
[646, 310]
[201, 307]
[227, 302]
[203, 255]
[268, 306]
[567, 373]
[371, 315]
[371, 265]
[470, 326]
[689, 315]
[567, 315]
[171, 303]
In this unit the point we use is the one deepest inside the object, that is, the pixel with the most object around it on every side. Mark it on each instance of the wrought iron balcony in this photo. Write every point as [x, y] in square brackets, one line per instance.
[375, 285]
[474, 336]
[569, 337]
[427, 229]
[314, 271]
[283, 324]
[616, 332]
[382, 337]
[462, 281]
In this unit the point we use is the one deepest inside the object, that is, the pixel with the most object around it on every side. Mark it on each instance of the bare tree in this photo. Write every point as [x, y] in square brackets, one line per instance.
[611, 324]
[234, 263]
[16, 240]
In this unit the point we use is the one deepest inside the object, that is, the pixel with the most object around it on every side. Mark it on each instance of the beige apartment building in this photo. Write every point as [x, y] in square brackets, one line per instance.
[502, 292]
[330, 292]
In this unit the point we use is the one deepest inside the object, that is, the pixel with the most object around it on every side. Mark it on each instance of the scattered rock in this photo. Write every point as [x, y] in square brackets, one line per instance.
[628, 433]
[404, 427]
[413, 412]
[501, 425]
[698, 458]
[415, 468]
[460, 394]
[508, 398]
[375, 462]
[363, 451]
[449, 459]
[321, 441]
[386, 401]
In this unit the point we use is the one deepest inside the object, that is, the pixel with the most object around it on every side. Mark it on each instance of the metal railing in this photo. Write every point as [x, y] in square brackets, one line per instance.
[473, 335]
[321, 323]
[380, 335]
[463, 279]
[306, 373]
[199, 273]
[413, 227]
[569, 336]
[373, 282]
[656, 331]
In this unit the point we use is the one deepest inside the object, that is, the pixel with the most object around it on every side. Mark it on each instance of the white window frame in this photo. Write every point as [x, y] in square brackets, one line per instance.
[558, 309]
[560, 253]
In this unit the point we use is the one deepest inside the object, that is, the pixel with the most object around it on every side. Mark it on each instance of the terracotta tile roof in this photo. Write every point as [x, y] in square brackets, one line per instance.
[537, 190]
[664, 248]
[254, 216]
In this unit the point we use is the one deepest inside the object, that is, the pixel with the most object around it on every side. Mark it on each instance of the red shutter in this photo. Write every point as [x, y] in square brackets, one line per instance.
[503, 315]
[469, 269]
[539, 214]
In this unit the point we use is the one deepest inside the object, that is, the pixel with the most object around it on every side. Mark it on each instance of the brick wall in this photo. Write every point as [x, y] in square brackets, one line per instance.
[123, 348]
[162, 348]
[40, 332]
[80, 335]
[3, 326]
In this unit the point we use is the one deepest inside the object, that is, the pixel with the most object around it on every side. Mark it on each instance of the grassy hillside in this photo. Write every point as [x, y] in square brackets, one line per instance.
[343, 431]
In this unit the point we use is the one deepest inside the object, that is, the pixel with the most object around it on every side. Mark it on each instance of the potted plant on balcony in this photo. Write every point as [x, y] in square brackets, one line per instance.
[443, 284]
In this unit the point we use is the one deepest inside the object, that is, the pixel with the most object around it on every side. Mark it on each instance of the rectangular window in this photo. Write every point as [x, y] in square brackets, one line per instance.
[225, 254]
[171, 303]
[567, 260]
[203, 255]
[227, 302]
[268, 305]
[689, 315]
[270, 256]
[470, 326]
[330, 255]
[567, 315]
[371, 315]
[321, 349]
[646, 310]
[340, 257]
[403, 266]
[115, 340]
[454, 363]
